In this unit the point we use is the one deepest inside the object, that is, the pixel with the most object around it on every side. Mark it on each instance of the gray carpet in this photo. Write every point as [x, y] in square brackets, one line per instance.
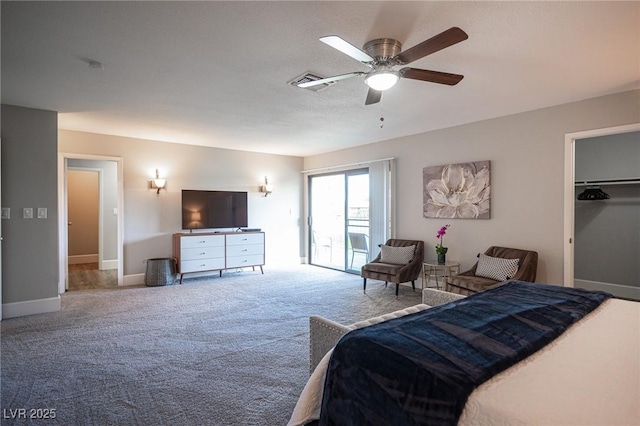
[214, 351]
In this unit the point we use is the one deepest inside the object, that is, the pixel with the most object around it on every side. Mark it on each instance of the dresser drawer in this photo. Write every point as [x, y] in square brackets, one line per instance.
[242, 261]
[201, 253]
[245, 238]
[202, 241]
[245, 250]
[201, 265]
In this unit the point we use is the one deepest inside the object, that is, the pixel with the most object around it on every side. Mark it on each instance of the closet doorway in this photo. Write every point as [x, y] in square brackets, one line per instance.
[602, 210]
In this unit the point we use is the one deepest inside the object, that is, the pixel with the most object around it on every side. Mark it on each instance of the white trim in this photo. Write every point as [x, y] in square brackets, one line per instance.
[30, 307]
[569, 189]
[108, 264]
[342, 167]
[133, 279]
[618, 290]
[83, 258]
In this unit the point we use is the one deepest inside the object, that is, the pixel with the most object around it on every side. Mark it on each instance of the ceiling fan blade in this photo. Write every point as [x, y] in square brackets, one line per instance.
[432, 76]
[373, 97]
[330, 79]
[444, 39]
[346, 48]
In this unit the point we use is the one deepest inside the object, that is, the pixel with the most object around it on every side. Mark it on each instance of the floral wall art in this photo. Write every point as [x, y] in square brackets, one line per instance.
[457, 191]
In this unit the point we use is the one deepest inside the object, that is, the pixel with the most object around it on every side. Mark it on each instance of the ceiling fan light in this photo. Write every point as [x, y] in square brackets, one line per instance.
[382, 80]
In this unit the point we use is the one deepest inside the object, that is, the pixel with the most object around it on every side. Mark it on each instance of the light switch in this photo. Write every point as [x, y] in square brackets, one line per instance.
[27, 213]
[6, 213]
[42, 212]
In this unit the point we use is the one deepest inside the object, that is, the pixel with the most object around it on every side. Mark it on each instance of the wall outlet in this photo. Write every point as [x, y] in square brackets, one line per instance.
[6, 213]
[42, 212]
[27, 213]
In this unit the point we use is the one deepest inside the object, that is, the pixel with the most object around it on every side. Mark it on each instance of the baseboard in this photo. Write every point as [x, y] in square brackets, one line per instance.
[30, 307]
[83, 258]
[109, 264]
[618, 290]
[133, 279]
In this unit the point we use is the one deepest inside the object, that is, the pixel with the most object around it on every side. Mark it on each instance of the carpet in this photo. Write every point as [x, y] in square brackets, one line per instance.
[213, 351]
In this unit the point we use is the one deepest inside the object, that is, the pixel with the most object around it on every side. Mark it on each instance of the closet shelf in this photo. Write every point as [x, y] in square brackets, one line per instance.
[630, 181]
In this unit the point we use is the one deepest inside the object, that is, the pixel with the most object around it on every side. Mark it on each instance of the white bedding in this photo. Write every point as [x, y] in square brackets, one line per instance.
[588, 375]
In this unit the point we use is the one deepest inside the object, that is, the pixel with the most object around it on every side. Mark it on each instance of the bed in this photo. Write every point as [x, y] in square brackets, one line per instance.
[587, 374]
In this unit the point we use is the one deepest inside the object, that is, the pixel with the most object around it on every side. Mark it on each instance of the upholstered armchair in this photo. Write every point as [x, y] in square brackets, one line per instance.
[395, 263]
[496, 265]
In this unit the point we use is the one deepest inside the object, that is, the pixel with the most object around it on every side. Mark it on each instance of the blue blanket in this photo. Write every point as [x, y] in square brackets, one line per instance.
[420, 369]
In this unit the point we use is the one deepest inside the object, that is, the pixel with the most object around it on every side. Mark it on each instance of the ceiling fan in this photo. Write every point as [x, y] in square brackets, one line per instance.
[382, 54]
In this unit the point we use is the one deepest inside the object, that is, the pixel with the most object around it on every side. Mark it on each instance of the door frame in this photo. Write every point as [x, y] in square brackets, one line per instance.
[63, 280]
[569, 189]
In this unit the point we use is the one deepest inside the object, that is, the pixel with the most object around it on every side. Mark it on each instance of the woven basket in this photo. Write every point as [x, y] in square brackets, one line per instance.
[161, 271]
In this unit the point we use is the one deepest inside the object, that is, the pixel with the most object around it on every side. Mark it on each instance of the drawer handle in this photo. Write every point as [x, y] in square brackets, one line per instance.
[203, 253]
[245, 250]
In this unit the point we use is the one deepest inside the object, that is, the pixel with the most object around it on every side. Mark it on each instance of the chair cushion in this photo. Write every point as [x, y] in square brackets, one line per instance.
[465, 284]
[382, 268]
[396, 255]
[496, 268]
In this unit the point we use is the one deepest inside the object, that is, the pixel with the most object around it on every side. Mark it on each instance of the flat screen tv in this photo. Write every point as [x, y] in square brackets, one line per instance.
[213, 209]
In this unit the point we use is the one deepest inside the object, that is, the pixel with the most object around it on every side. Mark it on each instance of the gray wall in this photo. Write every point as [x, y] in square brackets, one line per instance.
[29, 179]
[607, 233]
[150, 219]
[527, 176]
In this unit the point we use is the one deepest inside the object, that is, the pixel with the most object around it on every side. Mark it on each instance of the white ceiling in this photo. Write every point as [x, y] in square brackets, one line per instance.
[216, 73]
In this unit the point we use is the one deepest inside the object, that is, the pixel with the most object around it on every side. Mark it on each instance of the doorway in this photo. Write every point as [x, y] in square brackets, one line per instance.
[571, 190]
[90, 202]
[339, 220]
[88, 265]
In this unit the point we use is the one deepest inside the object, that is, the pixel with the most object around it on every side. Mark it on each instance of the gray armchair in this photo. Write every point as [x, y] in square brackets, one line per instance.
[467, 283]
[392, 272]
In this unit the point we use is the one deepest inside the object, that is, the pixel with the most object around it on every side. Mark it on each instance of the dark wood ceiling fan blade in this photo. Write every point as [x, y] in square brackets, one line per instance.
[444, 39]
[373, 97]
[432, 76]
[330, 79]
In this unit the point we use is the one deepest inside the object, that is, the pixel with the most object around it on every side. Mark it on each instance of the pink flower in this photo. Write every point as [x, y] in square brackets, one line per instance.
[441, 233]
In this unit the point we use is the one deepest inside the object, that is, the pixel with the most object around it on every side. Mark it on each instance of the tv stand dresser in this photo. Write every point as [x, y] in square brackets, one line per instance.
[217, 251]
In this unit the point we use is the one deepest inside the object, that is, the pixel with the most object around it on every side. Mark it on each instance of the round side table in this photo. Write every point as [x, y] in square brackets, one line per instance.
[432, 270]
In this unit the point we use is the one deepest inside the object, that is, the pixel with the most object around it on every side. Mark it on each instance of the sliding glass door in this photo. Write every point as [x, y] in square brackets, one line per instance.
[339, 220]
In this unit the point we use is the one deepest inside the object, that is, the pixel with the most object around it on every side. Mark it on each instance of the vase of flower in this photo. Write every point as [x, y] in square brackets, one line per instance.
[441, 250]
[442, 255]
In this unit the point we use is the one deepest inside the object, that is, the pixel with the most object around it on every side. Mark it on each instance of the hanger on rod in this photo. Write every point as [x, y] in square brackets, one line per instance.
[593, 193]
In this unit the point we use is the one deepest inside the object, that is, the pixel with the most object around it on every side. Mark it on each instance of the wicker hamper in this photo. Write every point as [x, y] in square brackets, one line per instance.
[161, 271]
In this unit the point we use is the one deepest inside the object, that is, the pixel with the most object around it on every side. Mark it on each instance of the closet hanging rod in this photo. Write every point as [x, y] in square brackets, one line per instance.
[629, 181]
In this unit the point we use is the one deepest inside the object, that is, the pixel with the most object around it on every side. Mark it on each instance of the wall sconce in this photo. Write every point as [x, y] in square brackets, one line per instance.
[158, 183]
[266, 188]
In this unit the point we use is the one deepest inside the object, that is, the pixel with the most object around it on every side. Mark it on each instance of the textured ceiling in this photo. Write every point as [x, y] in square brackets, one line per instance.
[216, 73]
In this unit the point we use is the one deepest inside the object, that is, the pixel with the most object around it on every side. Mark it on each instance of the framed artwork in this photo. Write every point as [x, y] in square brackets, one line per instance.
[457, 191]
